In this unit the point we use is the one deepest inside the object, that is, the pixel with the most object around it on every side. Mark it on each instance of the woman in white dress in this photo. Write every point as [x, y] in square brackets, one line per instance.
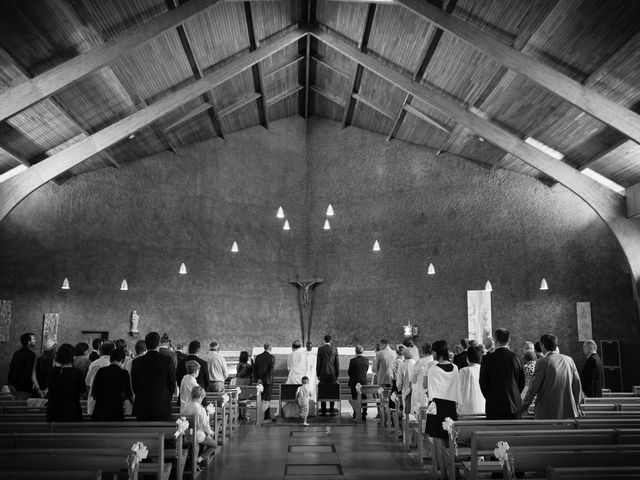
[472, 401]
[296, 363]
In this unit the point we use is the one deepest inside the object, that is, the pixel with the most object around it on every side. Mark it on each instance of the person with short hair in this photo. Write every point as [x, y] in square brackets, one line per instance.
[217, 366]
[154, 382]
[502, 380]
[327, 371]
[95, 345]
[65, 386]
[204, 433]
[43, 365]
[460, 359]
[403, 380]
[263, 373]
[188, 382]
[419, 377]
[302, 397]
[592, 374]
[473, 402]
[384, 363]
[555, 384]
[358, 367]
[81, 361]
[181, 371]
[111, 388]
[104, 360]
[140, 348]
[21, 367]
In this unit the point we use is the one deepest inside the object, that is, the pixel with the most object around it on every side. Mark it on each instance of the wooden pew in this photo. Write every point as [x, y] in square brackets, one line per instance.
[221, 417]
[483, 443]
[464, 430]
[608, 422]
[250, 399]
[368, 395]
[167, 428]
[52, 475]
[286, 394]
[537, 458]
[43, 461]
[329, 393]
[592, 473]
[115, 442]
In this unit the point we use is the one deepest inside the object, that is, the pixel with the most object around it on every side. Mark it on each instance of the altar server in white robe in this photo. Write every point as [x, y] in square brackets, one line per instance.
[296, 363]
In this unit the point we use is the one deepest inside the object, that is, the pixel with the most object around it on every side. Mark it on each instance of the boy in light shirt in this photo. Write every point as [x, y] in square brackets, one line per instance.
[303, 395]
[188, 382]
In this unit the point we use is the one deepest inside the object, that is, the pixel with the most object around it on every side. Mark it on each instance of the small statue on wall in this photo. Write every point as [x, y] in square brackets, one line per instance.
[135, 319]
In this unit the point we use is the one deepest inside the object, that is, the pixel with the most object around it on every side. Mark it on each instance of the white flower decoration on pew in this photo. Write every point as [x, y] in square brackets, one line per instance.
[380, 391]
[259, 388]
[141, 451]
[238, 391]
[501, 452]
[394, 397]
[211, 409]
[182, 424]
[225, 398]
[358, 388]
[447, 425]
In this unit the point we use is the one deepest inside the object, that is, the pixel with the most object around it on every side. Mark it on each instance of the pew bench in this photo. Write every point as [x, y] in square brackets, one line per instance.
[592, 473]
[81, 442]
[483, 443]
[53, 475]
[250, 399]
[537, 459]
[112, 462]
[366, 397]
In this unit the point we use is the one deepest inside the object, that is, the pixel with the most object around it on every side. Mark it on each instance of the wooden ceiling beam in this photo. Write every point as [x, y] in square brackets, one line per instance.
[607, 204]
[331, 66]
[17, 188]
[239, 103]
[427, 55]
[283, 65]
[14, 156]
[356, 77]
[282, 95]
[328, 95]
[590, 101]
[258, 77]
[359, 98]
[35, 89]
[426, 118]
[203, 107]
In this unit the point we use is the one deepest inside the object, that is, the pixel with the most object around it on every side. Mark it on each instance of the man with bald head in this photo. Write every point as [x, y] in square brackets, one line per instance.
[592, 373]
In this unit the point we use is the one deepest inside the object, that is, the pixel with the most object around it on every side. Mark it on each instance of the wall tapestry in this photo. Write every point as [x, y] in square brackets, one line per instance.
[50, 327]
[5, 320]
[479, 314]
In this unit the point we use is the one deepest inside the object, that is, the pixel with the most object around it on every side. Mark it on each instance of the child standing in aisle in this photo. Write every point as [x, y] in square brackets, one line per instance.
[303, 395]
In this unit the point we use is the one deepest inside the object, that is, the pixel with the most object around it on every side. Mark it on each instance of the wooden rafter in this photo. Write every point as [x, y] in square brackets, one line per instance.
[197, 71]
[608, 205]
[328, 95]
[285, 94]
[33, 90]
[310, 22]
[258, 77]
[422, 68]
[13, 155]
[356, 77]
[253, 96]
[590, 101]
[15, 189]
[283, 65]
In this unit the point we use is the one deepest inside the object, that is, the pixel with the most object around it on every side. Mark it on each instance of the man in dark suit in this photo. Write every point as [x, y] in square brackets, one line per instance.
[263, 372]
[502, 380]
[358, 367]
[592, 373]
[181, 371]
[327, 369]
[154, 382]
[461, 359]
[111, 386]
[165, 349]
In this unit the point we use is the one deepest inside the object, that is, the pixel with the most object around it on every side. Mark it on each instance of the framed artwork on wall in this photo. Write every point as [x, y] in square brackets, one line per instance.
[50, 327]
[479, 314]
[5, 320]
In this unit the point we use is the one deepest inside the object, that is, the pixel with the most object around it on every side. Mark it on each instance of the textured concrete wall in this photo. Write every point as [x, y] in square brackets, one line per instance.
[142, 221]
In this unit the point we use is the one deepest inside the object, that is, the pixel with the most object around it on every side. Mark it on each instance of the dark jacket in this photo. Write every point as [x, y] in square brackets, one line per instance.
[111, 387]
[591, 376]
[461, 360]
[263, 367]
[171, 354]
[501, 381]
[65, 384]
[358, 368]
[328, 364]
[203, 376]
[154, 383]
[20, 370]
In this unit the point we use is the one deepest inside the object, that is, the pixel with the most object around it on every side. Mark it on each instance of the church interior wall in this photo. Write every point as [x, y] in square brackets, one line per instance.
[142, 221]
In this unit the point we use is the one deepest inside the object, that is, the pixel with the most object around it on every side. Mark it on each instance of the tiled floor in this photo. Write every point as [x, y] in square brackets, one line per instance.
[360, 452]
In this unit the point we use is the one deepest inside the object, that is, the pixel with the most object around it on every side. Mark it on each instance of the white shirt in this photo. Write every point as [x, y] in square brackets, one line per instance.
[472, 399]
[405, 372]
[444, 385]
[186, 385]
[201, 419]
[217, 366]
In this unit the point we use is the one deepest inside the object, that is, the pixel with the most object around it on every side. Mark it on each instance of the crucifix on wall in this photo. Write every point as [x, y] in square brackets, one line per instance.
[306, 296]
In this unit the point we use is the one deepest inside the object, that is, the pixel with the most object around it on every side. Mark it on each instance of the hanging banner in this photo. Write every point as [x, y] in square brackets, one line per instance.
[479, 314]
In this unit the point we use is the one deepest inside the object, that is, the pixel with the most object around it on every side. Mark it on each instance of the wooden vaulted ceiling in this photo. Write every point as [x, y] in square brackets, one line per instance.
[169, 73]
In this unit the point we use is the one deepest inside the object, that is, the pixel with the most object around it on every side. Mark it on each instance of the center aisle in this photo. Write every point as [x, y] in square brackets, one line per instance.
[299, 453]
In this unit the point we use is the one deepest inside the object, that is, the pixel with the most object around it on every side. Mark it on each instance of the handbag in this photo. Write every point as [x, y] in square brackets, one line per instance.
[432, 409]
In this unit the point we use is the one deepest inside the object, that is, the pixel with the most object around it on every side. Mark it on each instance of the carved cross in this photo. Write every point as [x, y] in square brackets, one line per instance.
[306, 288]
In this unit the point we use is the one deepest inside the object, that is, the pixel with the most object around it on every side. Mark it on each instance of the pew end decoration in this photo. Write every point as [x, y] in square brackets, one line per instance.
[139, 452]
[501, 452]
[449, 426]
[211, 409]
[183, 425]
